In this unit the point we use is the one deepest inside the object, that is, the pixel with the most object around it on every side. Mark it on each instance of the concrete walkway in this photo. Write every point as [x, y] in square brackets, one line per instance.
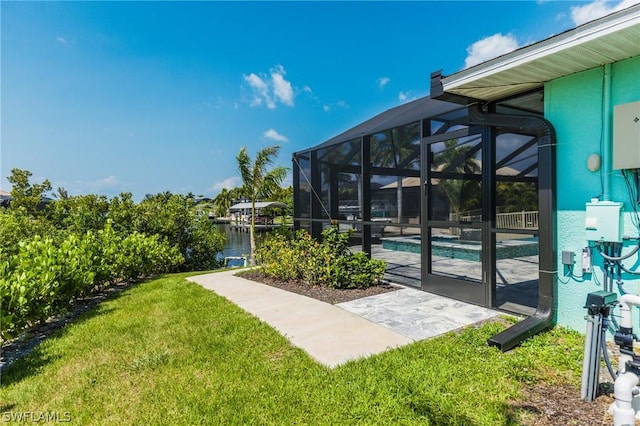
[335, 334]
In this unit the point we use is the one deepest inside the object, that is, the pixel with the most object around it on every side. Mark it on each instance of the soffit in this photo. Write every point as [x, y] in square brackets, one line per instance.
[610, 39]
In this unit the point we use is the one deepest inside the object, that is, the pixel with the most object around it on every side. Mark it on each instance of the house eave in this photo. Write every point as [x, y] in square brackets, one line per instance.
[606, 40]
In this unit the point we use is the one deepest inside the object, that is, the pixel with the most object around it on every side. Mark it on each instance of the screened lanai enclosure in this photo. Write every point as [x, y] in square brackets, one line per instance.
[449, 200]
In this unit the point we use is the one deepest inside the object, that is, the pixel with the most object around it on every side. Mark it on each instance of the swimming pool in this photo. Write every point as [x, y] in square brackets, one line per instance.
[453, 248]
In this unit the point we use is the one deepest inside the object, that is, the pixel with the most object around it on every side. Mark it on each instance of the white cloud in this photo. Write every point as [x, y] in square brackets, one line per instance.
[62, 40]
[273, 135]
[489, 48]
[109, 185]
[260, 91]
[597, 9]
[382, 81]
[271, 89]
[404, 97]
[307, 89]
[228, 183]
[281, 87]
[105, 183]
[338, 104]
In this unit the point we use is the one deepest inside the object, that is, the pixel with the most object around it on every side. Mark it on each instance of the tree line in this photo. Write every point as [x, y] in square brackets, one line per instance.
[52, 253]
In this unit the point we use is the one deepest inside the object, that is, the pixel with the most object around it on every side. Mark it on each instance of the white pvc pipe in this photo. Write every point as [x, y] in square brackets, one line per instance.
[626, 301]
[623, 412]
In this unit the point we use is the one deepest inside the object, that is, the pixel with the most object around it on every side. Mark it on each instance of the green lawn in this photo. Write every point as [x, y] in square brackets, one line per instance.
[170, 352]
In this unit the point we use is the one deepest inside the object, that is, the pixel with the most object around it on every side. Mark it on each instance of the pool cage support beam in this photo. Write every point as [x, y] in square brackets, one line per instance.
[296, 184]
[316, 206]
[365, 176]
[489, 206]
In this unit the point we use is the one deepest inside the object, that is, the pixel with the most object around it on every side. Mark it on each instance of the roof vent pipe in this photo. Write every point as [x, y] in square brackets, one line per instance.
[543, 318]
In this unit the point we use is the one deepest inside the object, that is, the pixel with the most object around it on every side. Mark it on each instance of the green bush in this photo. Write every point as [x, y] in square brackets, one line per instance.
[206, 241]
[53, 253]
[173, 217]
[17, 225]
[329, 263]
[356, 271]
[278, 259]
[312, 259]
[78, 214]
[141, 256]
[43, 278]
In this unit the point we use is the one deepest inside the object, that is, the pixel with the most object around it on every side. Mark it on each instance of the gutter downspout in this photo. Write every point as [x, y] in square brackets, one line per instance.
[606, 133]
[543, 318]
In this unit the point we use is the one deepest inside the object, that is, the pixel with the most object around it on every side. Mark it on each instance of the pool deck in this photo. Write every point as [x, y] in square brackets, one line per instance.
[516, 278]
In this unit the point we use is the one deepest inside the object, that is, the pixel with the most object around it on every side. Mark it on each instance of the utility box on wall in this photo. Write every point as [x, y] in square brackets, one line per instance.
[604, 221]
[626, 136]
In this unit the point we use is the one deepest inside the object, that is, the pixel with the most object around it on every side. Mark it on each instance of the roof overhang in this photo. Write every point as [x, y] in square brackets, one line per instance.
[609, 39]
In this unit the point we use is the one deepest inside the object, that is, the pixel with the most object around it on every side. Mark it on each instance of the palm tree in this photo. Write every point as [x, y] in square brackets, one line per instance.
[61, 194]
[222, 202]
[453, 162]
[397, 149]
[237, 194]
[258, 182]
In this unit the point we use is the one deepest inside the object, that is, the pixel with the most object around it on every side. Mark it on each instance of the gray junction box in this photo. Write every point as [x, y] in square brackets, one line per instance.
[604, 221]
[626, 136]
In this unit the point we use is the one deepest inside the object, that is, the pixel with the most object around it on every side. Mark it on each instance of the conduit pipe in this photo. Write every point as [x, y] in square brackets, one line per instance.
[606, 133]
[625, 387]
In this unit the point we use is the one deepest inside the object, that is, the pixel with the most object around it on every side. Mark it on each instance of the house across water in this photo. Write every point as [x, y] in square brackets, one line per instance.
[265, 217]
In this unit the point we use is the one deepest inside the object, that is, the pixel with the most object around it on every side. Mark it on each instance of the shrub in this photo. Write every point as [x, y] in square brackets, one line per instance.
[43, 277]
[78, 213]
[312, 259]
[30, 284]
[206, 241]
[278, 258]
[172, 217]
[356, 271]
[16, 226]
[141, 256]
[329, 263]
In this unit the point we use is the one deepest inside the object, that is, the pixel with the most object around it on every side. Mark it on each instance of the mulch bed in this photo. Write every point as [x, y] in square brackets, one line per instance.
[561, 405]
[325, 294]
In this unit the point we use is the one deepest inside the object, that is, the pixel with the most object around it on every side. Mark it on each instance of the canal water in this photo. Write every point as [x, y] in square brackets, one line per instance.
[238, 244]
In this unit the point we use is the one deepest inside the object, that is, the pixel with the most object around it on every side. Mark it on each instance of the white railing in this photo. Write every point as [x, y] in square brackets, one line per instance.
[516, 220]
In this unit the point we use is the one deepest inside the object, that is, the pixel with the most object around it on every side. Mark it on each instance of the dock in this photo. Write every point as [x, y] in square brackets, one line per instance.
[260, 227]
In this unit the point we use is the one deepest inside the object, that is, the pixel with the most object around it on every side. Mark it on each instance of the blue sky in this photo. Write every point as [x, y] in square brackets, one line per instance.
[146, 97]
